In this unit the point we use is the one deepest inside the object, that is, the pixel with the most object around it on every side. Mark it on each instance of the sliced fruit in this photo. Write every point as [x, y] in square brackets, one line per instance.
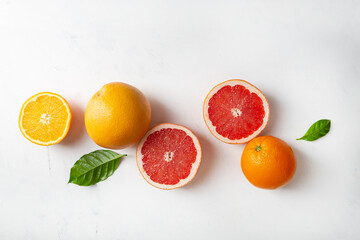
[168, 156]
[235, 111]
[268, 162]
[45, 118]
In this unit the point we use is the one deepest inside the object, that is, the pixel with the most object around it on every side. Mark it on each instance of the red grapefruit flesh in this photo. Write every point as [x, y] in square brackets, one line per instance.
[235, 111]
[168, 156]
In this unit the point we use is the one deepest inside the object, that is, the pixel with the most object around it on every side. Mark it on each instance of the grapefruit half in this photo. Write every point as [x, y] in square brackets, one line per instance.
[235, 111]
[168, 156]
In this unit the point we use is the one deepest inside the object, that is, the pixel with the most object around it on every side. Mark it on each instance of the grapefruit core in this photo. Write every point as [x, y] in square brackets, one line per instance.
[168, 156]
[235, 111]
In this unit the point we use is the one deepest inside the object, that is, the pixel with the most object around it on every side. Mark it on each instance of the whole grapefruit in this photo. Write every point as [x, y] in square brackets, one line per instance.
[117, 116]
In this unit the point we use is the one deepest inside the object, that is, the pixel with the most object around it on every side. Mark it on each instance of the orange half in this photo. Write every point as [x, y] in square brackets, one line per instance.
[45, 118]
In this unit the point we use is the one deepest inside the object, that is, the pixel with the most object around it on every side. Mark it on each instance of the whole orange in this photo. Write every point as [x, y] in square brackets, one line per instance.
[268, 162]
[117, 116]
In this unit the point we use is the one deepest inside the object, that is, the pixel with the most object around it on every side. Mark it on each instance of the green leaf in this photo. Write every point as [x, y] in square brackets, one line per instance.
[94, 167]
[317, 130]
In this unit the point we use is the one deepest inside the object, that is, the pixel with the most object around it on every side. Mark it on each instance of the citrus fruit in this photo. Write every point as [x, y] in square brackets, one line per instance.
[235, 111]
[268, 162]
[45, 118]
[117, 116]
[168, 156]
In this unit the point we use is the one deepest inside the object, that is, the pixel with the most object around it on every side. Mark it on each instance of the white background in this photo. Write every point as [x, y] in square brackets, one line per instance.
[303, 55]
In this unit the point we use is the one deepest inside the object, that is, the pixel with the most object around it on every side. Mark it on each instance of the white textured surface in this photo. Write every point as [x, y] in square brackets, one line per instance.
[303, 55]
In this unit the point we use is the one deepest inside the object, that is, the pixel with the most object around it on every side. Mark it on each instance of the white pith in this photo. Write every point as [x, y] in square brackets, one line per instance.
[195, 166]
[45, 118]
[236, 112]
[252, 89]
[168, 156]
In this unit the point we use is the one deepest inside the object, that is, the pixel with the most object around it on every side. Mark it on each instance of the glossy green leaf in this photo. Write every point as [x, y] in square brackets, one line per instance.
[317, 130]
[94, 167]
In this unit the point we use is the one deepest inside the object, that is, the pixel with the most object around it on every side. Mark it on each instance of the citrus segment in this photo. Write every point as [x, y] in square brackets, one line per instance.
[235, 111]
[45, 118]
[168, 156]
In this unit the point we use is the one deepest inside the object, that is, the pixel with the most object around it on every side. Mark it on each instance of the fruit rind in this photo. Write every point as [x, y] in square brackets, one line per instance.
[272, 167]
[195, 166]
[117, 116]
[251, 88]
[34, 98]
